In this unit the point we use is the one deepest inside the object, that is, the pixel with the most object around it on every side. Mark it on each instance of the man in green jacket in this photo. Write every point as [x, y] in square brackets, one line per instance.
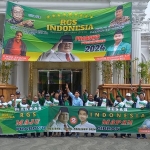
[119, 47]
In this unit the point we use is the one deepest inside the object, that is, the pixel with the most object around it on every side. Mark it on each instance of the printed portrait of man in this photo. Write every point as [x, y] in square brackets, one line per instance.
[84, 124]
[119, 47]
[120, 19]
[60, 122]
[146, 124]
[17, 13]
[15, 46]
[61, 51]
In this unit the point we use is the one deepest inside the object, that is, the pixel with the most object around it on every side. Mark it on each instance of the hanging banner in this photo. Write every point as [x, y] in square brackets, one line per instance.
[32, 34]
[74, 119]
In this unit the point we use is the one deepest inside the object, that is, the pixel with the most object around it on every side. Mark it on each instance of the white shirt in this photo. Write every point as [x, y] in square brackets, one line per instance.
[23, 105]
[86, 127]
[146, 124]
[103, 103]
[55, 102]
[128, 103]
[35, 104]
[119, 105]
[140, 103]
[90, 103]
[47, 103]
[58, 126]
[18, 100]
[56, 56]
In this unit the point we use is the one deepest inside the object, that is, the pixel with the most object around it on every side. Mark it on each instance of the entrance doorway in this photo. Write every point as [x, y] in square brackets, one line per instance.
[53, 80]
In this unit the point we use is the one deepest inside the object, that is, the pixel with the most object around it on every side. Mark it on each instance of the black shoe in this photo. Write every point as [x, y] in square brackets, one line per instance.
[86, 135]
[62, 135]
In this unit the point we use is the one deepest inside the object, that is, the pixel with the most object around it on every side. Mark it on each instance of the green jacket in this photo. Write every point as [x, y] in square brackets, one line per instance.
[123, 48]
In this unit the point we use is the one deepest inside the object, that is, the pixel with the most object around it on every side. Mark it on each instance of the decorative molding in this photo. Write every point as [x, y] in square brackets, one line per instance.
[137, 21]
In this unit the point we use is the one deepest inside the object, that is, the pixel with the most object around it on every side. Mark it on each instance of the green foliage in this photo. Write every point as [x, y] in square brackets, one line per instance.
[144, 70]
[107, 71]
[5, 71]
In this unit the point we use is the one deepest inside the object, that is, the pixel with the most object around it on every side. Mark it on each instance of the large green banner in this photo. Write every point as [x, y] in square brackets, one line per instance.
[65, 36]
[74, 119]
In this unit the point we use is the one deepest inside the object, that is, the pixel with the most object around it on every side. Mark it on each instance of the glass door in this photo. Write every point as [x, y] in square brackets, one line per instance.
[53, 80]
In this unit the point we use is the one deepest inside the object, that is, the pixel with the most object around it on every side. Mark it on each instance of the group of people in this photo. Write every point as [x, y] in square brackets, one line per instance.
[131, 100]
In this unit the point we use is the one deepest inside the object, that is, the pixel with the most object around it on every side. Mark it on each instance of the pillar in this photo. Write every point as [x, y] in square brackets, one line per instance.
[136, 47]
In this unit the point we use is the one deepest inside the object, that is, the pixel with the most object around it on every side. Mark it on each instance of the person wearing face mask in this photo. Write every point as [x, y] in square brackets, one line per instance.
[119, 47]
[120, 19]
[61, 51]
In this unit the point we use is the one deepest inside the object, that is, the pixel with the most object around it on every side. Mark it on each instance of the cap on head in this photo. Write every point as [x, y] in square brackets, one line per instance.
[47, 95]
[66, 38]
[64, 109]
[17, 93]
[119, 7]
[119, 31]
[128, 94]
[104, 92]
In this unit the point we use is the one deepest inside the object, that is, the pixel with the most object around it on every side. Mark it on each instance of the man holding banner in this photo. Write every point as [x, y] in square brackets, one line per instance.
[64, 47]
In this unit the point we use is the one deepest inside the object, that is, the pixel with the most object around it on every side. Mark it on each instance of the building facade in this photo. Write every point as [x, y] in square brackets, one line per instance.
[37, 76]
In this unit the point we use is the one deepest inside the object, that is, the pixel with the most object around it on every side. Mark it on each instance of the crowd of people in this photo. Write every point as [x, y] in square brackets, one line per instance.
[135, 99]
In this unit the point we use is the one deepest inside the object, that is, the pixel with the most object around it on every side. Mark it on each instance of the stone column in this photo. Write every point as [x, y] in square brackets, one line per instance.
[115, 76]
[136, 46]
[99, 79]
[20, 77]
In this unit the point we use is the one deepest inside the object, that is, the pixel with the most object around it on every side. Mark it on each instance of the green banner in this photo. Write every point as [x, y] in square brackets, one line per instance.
[74, 119]
[32, 34]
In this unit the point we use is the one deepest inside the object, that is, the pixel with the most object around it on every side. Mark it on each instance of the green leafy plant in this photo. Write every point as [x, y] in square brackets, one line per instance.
[5, 71]
[144, 71]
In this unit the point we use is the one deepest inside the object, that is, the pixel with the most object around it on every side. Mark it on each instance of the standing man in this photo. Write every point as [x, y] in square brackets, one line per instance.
[76, 100]
[64, 47]
[103, 102]
[17, 13]
[119, 47]
[120, 19]
[15, 46]
[90, 102]
[129, 103]
[119, 104]
[140, 103]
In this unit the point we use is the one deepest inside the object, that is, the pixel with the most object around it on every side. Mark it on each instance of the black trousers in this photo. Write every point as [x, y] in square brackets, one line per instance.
[50, 133]
[92, 134]
[67, 133]
[35, 134]
[143, 135]
[122, 134]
